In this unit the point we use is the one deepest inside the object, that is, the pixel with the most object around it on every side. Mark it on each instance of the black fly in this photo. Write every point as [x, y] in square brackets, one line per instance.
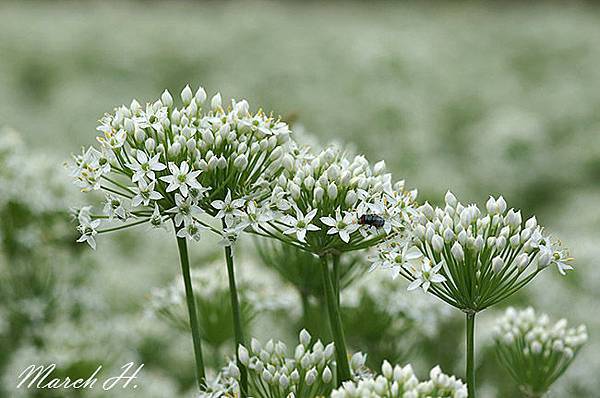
[372, 220]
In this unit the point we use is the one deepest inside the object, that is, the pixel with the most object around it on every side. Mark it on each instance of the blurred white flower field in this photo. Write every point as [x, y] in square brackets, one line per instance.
[481, 100]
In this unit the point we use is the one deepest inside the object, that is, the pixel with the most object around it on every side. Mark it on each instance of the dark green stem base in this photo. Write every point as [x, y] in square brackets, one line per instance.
[335, 320]
[471, 355]
[191, 305]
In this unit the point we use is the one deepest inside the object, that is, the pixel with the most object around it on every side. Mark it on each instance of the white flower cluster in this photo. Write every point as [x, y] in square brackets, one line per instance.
[422, 313]
[471, 259]
[533, 350]
[401, 382]
[309, 373]
[333, 202]
[211, 290]
[25, 175]
[161, 162]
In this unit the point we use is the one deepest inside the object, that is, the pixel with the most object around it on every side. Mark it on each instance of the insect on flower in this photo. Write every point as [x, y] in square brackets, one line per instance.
[372, 220]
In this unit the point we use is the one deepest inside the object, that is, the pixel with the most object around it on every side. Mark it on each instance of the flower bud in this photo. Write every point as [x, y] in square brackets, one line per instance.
[450, 199]
[240, 162]
[386, 370]
[358, 361]
[222, 163]
[215, 102]
[500, 243]
[379, 167]
[284, 382]
[457, 252]
[513, 219]
[501, 203]
[311, 377]
[295, 376]
[327, 376]
[288, 162]
[295, 190]
[318, 194]
[139, 135]
[428, 211]
[243, 355]
[497, 264]
[212, 163]
[420, 232]
[448, 235]
[174, 150]
[515, 241]
[531, 223]
[332, 191]
[255, 345]
[437, 243]
[329, 351]
[233, 371]
[186, 95]
[544, 258]
[305, 362]
[521, 261]
[462, 237]
[166, 99]
[491, 205]
[479, 243]
[200, 96]
[351, 198]
[150, 145]
[267, 376]
[304, 337]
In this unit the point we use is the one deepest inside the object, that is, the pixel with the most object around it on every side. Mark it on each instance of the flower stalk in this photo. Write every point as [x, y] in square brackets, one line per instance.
[237, 320]
[193, 314]
[471, 354]
[335, 321]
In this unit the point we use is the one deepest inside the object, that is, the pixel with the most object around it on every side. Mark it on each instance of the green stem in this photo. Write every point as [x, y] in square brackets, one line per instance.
[336, 278]
[237, 321]
[305, 308]
[193, 314]
[335, 320]
[471, 354]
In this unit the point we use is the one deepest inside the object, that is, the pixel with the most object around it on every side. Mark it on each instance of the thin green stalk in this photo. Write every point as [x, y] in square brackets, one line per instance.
[237, 319]
[336, 278]
[305, 308]
[471, 354]
[335, 320]
[193, 314]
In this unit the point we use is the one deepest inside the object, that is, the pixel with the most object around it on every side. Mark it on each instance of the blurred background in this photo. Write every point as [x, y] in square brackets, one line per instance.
[479, 98]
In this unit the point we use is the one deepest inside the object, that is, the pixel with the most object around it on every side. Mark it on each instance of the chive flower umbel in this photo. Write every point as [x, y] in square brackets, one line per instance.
[211, 290]
[272, 373]
[534, 351]
[401, 382]
[328, 199]
[161, 162]
[333, 203]
[471, 259]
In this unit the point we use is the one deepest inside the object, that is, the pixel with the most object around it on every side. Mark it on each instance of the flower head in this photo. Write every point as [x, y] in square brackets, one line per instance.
[337, 191]
[308, 372]
[533, 350]
[469, 258]
[401, 382]
[213, 157]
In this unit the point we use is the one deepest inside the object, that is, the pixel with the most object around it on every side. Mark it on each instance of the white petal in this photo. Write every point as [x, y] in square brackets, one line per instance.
[414, 284]
[328, 221]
